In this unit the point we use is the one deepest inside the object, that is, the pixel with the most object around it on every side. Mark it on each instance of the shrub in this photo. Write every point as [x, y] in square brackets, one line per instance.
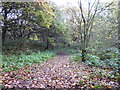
[21, 46]
[67, 50]
[93, 60]
[107, 58]
[108, 53]
[92, 57]
[76, 57]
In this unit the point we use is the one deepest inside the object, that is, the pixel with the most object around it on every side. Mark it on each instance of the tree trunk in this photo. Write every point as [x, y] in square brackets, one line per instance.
[3, 34]
[83, 55]
[47, 43]
[118, 42]
[4, 28]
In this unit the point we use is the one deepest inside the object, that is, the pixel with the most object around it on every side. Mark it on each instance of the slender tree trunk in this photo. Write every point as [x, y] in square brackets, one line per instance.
[84, 50]
[4, 28]
[47, 42]
[85, 42]
[46, 39]
[118, 41]
[83, 55]
[3, 34]
[118, 26]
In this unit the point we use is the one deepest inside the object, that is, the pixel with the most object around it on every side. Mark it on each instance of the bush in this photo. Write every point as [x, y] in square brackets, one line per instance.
[93, 60]
[107, 58]
[92, 57]
[108, 53]
[76, 57]
[112, 63]
[21, 46]
[67, 50]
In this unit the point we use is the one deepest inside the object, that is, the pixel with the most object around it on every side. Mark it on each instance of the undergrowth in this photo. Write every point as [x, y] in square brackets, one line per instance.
[13, 62]
[19, 53]
[66, 50]
[105, 59]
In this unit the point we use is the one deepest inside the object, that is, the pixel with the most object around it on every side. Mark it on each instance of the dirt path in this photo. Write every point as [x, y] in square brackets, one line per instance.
[56, 73]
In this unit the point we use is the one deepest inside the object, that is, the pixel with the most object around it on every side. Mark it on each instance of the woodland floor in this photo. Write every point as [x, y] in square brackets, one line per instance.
[58, 72]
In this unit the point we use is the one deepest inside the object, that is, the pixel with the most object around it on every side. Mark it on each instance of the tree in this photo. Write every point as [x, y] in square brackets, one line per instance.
[118, 27]
[61, 29]
[24, 18]
[6, 10]
[106, 30]
[84, 20]
[58, 33]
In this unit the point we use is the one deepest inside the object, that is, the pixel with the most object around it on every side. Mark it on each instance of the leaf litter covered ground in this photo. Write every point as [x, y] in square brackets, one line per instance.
[58, 72]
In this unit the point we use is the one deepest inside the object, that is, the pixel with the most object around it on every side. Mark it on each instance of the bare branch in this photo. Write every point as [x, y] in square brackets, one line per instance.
[81, 9]
[93, 5]
[104, 8]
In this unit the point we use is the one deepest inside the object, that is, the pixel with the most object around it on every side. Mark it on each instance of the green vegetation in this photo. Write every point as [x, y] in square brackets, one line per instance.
[34, 32]
[13, 62]
[18, 53]
[107, 58]
[67, 50]
[104, 60]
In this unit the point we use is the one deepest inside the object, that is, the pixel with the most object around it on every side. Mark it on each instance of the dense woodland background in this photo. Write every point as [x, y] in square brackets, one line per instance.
[33, 32]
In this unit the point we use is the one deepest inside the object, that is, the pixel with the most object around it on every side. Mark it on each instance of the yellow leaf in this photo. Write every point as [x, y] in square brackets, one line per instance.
[109, 87]
[1, 81]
